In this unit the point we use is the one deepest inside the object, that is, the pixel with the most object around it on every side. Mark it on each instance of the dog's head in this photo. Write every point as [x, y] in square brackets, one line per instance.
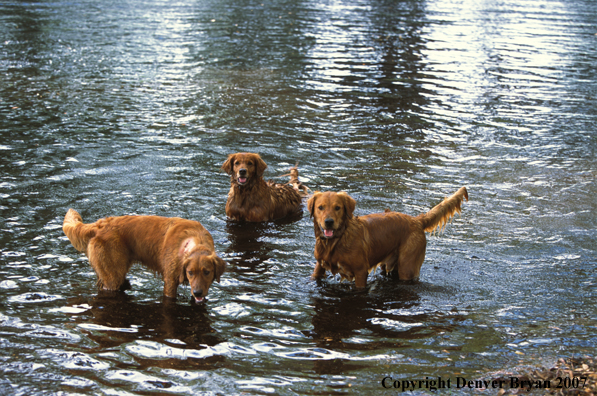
[200, 269]
[243, 168]
[330, 212]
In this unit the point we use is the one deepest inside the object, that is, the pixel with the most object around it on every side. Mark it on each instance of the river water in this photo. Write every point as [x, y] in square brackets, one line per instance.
[121, 107]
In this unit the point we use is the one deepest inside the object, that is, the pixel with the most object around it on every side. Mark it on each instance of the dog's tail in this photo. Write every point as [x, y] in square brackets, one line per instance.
[440, 214]
[294, 181]
[78, 233]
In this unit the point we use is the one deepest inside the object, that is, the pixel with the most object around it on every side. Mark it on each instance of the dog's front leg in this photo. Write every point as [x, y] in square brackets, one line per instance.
[360, 279]
[319, 271]
[170, 288]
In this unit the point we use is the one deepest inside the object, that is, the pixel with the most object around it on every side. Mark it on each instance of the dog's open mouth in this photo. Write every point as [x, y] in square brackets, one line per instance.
[328, 233]
[242, 180]
[199, 300]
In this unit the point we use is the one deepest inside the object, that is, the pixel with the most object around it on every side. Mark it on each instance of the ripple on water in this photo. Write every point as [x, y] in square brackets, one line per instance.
[267, 347]
[75, 309]
[52, 332]
[313, 354]
[232, 310]
[8, 284]
[393, 324]
[9, 253]
[157, 350]
[395, 102]
[147, 382]
[266, 385]
[96, 327]
[64, 259]
[34, 297]
[74, 360]
[280, 333]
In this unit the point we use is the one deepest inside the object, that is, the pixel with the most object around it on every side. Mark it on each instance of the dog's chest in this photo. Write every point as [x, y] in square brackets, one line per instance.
[334, 262]
[344, 271]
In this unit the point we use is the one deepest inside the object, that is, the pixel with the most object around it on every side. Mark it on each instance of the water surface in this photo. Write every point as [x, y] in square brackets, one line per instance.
[117, 108]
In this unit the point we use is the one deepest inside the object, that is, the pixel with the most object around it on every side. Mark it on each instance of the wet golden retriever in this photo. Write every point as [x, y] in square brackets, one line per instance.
[180, 250]
[251, 198]
[353, 246]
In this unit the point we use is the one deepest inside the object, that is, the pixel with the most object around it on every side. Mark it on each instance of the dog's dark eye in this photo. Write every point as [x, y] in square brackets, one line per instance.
[337, 207]
[250, 162]
[320, 207]
[206, 271]
[237, 163]
[190, 273]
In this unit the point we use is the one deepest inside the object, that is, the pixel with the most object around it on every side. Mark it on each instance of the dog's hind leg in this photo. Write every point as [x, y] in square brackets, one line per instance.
[411, 257]
[110, 262]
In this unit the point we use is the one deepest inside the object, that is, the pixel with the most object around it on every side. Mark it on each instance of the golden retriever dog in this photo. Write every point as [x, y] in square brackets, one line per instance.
[354, 246]
[251, 198]
[181, 251]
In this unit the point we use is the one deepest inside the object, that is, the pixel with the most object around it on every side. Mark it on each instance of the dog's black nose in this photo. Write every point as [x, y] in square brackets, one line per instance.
[242, 171]
[198, 293]
[329, 223]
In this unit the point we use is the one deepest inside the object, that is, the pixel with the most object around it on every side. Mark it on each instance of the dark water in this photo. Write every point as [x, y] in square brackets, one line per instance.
[117, 108]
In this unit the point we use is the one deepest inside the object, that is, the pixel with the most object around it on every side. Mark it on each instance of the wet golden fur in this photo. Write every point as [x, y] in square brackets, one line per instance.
[251, 198]
[180, 250]
[353, 246]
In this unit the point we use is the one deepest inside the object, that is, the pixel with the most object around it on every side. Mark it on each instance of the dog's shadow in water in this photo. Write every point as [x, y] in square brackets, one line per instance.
[114, 318]
[386, 315]
[247, 247]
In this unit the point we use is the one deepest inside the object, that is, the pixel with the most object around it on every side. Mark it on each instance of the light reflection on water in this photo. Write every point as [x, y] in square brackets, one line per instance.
[123, 109]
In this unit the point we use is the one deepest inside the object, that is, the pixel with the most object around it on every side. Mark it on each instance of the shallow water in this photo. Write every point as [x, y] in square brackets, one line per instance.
[117, 108]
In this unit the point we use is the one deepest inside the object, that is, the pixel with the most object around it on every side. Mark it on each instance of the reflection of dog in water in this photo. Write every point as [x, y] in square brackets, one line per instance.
[386, 317]
[115, 319]
[353, 246]
[180, 250]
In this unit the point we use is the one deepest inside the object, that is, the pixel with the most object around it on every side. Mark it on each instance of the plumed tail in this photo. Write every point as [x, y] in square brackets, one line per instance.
[438, 216]
[294, 181]
[78, 233]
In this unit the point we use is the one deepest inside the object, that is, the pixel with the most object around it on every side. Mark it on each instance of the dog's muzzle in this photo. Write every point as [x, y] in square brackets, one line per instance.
[328, 230]
[197, 295]
[242, 176]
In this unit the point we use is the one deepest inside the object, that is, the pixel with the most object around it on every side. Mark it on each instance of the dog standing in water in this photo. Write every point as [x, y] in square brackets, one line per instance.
[354, 246]
[180, 250]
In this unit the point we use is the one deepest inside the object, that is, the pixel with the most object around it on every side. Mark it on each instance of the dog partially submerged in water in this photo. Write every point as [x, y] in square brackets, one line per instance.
[353, 246]
[180, 250]
[251, 198]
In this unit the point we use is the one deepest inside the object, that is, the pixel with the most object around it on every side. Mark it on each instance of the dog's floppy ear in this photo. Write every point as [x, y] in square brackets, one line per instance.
[260, 165]
[220, 267]
[186, 247]
[349, 204]
[229, 163]
[183, 271]
[311, 202]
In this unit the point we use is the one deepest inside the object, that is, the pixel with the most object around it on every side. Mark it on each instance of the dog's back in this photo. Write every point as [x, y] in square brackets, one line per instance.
[284, 198]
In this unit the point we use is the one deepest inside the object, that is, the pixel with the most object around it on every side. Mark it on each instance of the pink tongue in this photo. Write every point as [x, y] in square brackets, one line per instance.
[242, 179]
[199, 299]
[328, 233]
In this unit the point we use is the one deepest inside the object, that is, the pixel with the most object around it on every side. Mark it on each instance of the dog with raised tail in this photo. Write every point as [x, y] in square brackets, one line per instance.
[354, 246]
[251, 198]
[180, 250]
